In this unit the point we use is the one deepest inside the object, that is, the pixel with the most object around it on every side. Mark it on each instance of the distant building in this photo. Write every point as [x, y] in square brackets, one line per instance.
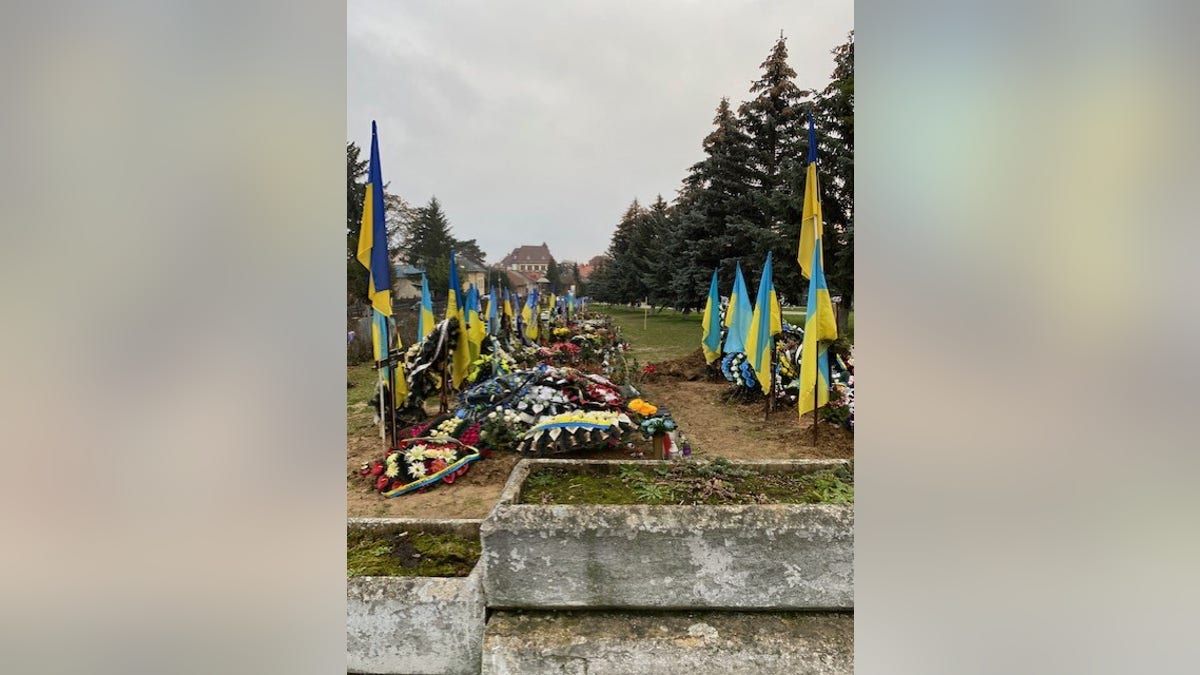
[523, 282]
[473, 272]
[529, 259]
[587, 268]
[406, 281]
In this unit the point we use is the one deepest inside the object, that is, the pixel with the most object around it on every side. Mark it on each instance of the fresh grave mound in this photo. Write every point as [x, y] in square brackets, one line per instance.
[409, 554]
[691, 367]
[718, 482]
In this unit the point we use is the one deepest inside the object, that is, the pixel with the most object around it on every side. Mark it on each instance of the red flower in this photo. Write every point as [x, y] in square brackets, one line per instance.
[382, 483]
[437, 465]
[650, 368]
[377, 469]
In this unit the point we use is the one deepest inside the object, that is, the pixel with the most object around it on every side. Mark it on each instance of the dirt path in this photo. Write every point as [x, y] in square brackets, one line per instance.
[739, 431]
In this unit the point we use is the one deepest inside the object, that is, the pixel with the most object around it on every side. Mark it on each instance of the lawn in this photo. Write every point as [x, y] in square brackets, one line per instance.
[361, 380]
[669, 334]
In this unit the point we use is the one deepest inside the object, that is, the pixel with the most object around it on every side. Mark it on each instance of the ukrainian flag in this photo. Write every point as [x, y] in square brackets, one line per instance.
[475, 328]
[425, 321]
[737, 317]
[461, 360]
[530, 315]
[711, 339]
[508, 308]
[373, 254]
[819, 324]
[810, 219]
[493, 312]
[760, 343]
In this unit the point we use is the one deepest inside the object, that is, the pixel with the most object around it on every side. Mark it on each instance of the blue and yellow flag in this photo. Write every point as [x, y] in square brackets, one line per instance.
[508, 309]
[493, 312]
[373, 254]
[760, 343]
[461, 359]
[476, 330]
[810, 219]
[530, 315]
[711, 338]
[819, 324]
[425, 320]
[738, 315]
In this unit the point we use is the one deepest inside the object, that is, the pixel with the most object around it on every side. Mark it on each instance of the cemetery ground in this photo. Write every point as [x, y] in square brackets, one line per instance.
[670, 340]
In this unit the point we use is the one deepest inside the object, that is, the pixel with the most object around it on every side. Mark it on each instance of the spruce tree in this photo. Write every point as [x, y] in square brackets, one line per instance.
[774, 121]
[427, 243]
[616, 280]
[718, 215]
[835, 120]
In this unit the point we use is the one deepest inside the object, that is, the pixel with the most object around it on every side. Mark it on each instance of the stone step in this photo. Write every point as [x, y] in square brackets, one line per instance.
[691, 643]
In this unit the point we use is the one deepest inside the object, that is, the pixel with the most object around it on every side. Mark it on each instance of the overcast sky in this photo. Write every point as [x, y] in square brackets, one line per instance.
[540, 120]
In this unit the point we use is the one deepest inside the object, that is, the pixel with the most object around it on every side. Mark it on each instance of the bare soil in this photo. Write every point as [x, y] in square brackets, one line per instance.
[717, 429]
[713, 428]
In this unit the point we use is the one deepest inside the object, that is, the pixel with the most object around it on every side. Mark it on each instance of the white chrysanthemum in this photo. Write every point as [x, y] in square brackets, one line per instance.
[417, 469]
[416, 454]
[393, 470]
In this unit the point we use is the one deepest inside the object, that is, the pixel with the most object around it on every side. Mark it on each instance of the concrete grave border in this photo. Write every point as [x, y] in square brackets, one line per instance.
[415, 625]
[783, 557]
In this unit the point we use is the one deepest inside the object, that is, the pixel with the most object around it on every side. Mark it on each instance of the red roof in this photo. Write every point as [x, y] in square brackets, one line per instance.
[528, 255]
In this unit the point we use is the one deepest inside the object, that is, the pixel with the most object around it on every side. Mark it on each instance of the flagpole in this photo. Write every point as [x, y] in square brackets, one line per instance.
[387, 359]
[382, 423]
[816, 419]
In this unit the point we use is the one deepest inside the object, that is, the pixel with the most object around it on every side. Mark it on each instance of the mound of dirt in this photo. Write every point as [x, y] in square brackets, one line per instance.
[691, 368]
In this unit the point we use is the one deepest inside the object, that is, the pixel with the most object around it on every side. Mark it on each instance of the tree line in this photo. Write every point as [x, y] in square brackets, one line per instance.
[419, 236]
[746, 198]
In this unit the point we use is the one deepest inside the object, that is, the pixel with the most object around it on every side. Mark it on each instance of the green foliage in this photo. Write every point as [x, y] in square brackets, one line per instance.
[745, 198]
[652, 492]
[631, 474]
[426, 242]
[356, 192]
[837, 415]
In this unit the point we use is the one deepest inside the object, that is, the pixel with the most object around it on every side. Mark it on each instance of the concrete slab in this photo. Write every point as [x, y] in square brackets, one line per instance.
[768, 557]
[415, 625]
[698, 643]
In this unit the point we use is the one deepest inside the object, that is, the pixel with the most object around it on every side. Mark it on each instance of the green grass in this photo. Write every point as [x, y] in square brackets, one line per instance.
[715, 482]
[362, 379]
[359, 416]
[668, 334]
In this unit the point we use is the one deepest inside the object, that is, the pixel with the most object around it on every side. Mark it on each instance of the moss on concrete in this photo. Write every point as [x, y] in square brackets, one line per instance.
[415, 554]
[689, 483]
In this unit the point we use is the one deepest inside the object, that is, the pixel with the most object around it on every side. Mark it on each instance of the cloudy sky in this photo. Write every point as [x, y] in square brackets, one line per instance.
[540, 120]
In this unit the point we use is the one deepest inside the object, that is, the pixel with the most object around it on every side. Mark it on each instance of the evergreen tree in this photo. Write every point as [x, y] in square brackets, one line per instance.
[774, 121]
[426, 244]
[356, 191]
[717, 212]
[554, 275]
[835, 120]
[470, 248]
[616, 280]
[659, 234]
